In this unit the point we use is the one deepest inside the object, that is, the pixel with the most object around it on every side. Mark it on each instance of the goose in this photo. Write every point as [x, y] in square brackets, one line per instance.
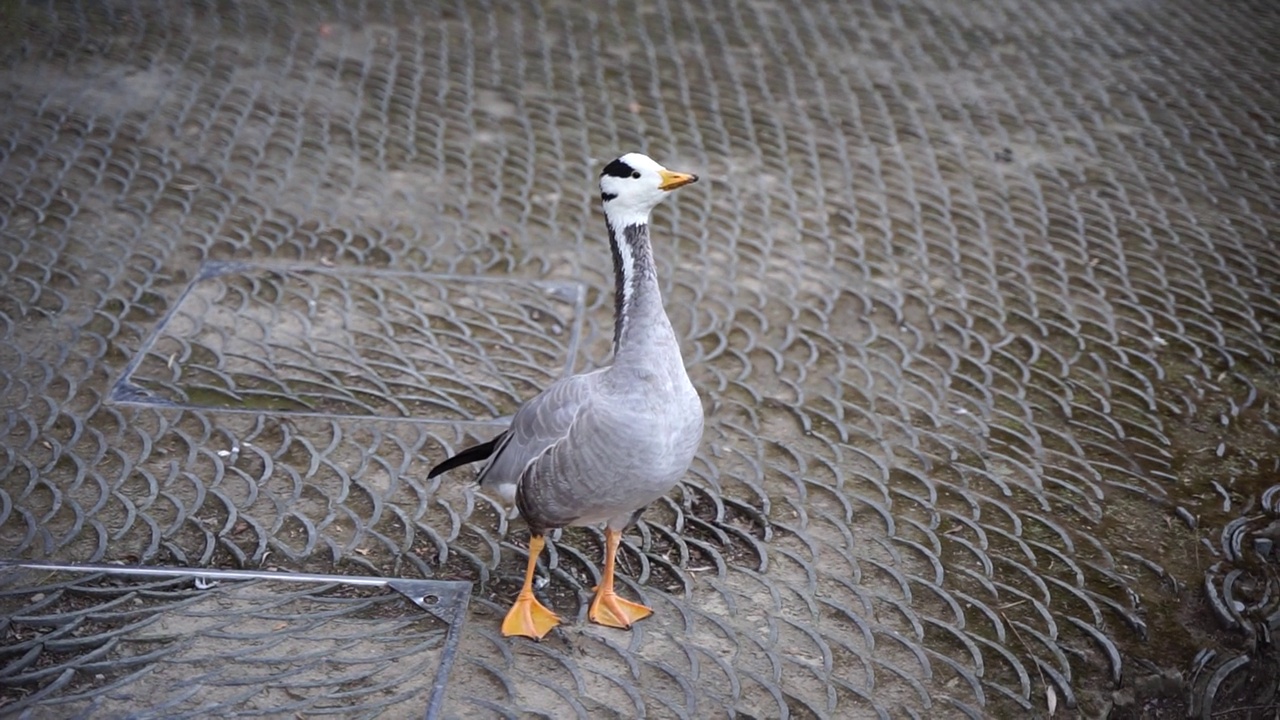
[599, 447]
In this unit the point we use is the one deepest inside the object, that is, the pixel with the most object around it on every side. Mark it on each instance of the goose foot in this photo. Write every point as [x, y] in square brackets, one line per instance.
[609, 609]
[528, 617]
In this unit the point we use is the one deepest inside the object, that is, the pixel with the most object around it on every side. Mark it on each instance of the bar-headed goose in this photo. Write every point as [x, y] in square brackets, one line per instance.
[600, 446]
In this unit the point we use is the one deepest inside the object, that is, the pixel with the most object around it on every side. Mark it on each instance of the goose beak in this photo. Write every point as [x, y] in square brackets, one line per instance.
[673, 180]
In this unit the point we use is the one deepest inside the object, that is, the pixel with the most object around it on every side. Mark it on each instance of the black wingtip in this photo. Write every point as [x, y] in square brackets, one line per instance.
[470, 455]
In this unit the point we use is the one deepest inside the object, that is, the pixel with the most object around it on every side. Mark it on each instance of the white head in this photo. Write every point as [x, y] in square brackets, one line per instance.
[633, 184]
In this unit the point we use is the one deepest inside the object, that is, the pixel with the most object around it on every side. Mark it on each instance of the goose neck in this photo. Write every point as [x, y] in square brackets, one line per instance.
[639, 323]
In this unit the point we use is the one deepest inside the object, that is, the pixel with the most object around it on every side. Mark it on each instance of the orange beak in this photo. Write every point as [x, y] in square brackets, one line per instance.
[673, 180]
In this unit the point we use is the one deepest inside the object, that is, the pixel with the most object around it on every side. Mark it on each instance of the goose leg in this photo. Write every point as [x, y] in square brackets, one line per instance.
[527, 616]
[607, 608]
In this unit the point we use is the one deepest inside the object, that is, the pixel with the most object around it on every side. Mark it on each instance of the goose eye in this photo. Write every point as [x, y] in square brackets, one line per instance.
[635, 174]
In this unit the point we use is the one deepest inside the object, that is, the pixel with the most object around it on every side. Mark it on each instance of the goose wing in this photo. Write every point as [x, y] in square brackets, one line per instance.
[538, 425]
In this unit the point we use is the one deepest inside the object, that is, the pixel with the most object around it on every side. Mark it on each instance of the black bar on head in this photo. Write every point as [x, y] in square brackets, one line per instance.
[618, 169]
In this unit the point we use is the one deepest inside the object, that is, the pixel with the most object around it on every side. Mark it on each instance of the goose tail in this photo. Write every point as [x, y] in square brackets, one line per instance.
[472, 454]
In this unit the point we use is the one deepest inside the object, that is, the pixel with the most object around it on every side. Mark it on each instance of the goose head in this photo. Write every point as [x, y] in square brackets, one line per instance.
[632, 185]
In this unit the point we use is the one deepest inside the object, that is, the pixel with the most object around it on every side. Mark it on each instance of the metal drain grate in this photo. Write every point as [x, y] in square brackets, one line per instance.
[110, 642]
[350, 342]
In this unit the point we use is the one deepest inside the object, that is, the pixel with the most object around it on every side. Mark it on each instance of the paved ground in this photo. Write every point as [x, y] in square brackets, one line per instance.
[981, 297]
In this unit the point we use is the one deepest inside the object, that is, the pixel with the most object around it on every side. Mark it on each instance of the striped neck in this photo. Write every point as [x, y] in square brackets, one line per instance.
[637, 300]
